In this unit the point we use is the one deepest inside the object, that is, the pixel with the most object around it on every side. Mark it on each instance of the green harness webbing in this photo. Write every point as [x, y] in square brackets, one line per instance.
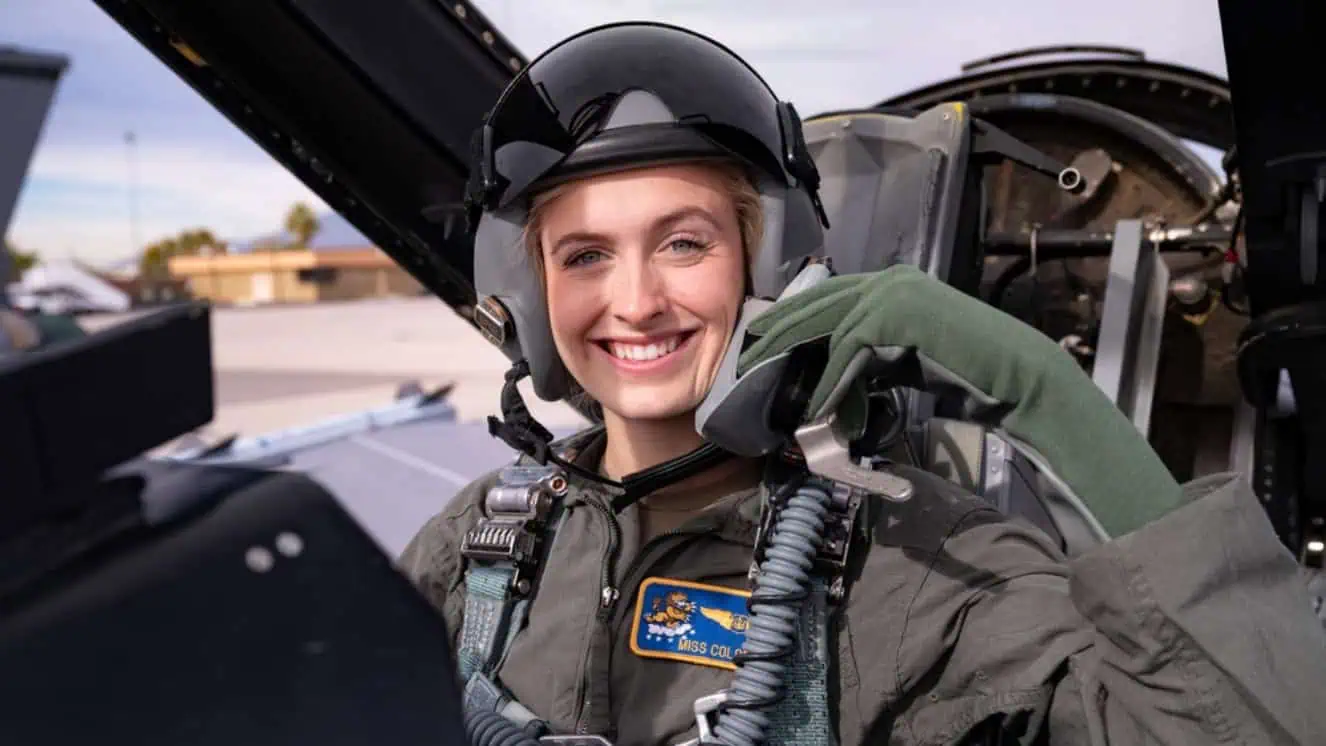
[802, 715]
[493, 616]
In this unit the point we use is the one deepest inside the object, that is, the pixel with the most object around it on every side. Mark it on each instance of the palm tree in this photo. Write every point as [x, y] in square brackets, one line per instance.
[14, 264]
[302, 225]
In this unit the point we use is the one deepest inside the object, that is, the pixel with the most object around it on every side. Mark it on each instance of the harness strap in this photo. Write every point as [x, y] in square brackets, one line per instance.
[504, 553]
[801, 717]
[490, 610]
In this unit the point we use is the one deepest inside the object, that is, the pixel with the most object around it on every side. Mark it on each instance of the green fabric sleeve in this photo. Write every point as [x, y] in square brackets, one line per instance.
[1050, 405]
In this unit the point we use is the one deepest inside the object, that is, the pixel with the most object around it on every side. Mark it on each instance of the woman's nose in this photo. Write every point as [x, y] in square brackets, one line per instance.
[638, 294]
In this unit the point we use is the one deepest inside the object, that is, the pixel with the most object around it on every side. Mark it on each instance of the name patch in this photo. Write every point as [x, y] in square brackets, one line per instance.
[691, 622]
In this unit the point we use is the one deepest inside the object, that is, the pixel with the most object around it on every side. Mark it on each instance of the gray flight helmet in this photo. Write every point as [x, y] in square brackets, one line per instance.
[648, 122]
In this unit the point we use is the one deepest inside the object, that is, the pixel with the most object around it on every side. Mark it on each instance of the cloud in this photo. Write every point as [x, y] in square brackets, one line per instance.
[838, 53]
[194, 168]
[78, 198]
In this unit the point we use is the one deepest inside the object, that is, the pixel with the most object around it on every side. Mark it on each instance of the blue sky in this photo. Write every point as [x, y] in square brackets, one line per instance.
[195, 169]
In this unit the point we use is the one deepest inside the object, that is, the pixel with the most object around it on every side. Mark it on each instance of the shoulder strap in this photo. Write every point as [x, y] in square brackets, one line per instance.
[801, 717]
[503, 554]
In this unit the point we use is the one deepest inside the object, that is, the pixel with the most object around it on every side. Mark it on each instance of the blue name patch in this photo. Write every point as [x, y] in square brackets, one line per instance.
[692, 622]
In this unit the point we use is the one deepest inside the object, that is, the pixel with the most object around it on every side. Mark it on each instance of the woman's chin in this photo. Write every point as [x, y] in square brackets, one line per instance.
[647, 403]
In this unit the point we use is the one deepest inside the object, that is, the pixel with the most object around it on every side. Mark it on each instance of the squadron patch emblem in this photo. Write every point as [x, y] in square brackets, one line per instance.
[692, 622]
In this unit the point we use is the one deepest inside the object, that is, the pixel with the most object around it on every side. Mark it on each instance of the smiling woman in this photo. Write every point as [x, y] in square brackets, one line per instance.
[645, 271]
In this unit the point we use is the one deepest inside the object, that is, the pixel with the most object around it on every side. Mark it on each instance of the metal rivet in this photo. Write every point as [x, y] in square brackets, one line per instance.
[488, 37]
[460, 10]
[289, 544]
[259, 559]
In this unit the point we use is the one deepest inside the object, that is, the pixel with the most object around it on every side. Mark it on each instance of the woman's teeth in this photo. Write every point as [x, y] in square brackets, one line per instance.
[644, 353]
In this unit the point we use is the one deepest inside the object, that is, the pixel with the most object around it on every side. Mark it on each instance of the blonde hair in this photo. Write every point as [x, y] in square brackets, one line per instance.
[740, 187]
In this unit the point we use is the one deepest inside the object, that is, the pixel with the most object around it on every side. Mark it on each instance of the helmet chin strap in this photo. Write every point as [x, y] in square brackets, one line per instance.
[521, 431]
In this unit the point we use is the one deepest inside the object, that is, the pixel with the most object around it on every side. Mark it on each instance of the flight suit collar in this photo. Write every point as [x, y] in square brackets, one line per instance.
[735, 517]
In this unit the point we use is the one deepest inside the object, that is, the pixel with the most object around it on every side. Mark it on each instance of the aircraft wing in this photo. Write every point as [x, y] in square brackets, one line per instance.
[392, 467]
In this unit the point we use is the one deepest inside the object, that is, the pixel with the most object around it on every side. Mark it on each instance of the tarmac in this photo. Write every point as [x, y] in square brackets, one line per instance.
[282, 366]
[285, 366]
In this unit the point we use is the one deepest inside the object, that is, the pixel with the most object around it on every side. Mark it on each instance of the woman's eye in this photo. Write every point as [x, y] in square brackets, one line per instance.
[687, 245]
[583, 258]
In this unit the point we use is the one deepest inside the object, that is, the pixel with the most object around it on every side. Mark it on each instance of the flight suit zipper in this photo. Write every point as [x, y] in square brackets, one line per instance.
[647, 556]
[607, 597]
[608, 619]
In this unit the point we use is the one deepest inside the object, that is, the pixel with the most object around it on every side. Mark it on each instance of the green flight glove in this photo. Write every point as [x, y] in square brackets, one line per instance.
[907, 324]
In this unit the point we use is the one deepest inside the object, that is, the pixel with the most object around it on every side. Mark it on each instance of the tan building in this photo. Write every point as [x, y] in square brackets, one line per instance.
[293, 276]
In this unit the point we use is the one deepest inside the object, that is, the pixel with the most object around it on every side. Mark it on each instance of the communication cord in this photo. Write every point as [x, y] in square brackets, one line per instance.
[781, 586]
[486, 728]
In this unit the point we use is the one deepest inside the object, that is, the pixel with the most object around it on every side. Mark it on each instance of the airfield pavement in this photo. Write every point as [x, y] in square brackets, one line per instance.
[283, 366]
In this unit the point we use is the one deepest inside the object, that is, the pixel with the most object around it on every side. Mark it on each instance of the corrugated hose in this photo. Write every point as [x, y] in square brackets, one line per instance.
[782, 585]
[491, 729]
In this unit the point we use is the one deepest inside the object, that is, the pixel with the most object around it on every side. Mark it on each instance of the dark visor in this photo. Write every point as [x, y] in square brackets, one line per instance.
[558, 104]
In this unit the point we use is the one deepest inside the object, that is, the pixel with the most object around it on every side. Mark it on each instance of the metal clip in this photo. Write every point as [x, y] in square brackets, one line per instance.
[838, 529]
[517, 508]
[826, 451]
[704, 708]
[496, 540]
[525, 492]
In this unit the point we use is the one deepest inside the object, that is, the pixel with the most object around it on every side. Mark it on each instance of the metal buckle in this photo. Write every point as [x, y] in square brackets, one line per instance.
[517, 510]
[704, 708]
[827, 455]
[839, 529]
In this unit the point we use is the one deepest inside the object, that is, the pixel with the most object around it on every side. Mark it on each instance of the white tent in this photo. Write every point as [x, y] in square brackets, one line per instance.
[64, 287]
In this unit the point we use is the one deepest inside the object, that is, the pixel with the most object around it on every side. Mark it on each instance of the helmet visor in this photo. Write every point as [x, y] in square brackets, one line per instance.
[561, 102]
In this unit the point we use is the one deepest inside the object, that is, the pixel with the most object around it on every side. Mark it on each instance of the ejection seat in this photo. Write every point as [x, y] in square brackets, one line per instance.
[904, 188]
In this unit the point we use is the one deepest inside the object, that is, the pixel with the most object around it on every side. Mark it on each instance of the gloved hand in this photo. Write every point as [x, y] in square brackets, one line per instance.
[927, 334]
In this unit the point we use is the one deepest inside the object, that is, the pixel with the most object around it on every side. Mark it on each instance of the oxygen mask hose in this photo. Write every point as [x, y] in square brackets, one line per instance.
[491, 729]
[781, 587]
[782, 583]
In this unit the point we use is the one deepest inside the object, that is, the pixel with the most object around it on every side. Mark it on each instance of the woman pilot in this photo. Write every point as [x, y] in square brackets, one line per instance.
[635, 186]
